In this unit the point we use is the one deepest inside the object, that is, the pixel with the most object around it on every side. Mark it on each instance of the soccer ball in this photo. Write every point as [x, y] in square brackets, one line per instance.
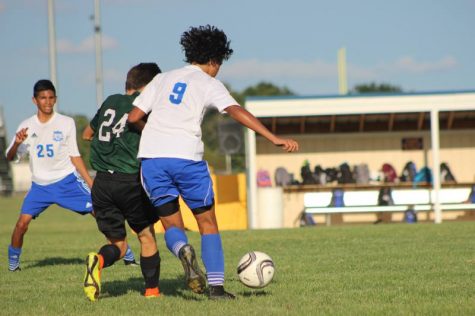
[255, 269]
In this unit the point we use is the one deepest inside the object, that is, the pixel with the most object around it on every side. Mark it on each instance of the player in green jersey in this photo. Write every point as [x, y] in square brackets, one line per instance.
[117, 193]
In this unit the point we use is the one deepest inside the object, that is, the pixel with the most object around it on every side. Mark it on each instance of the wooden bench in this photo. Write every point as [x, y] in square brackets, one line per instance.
[366, 201]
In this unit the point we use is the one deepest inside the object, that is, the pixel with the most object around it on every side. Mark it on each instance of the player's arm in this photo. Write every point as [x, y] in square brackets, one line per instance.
[136, 115]
[247, 119]
[20, 137]
[139, 126]
[88, 133]
[81, 168]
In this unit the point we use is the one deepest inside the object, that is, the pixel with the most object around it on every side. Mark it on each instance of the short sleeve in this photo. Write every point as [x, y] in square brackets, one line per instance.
[147, 97]
[72, 141]
[219, 97]
[95, 120]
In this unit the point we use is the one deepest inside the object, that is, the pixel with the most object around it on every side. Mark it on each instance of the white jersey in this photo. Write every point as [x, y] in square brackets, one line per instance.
[50, 146]
[177, 101]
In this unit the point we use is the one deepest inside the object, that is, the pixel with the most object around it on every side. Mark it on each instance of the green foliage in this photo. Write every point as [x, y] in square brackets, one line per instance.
[238, 96]
[266, 89]
[212, 118]
[84, 146]
[375, 88]
[393, 269]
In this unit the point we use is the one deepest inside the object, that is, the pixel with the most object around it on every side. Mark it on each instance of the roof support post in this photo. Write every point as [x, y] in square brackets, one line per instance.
[435, 146]
[251, 170]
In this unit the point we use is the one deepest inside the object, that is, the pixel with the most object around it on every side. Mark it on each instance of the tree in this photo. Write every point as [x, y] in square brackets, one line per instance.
[84, 146]
[266, 89]
[375, 88]
[212, 118]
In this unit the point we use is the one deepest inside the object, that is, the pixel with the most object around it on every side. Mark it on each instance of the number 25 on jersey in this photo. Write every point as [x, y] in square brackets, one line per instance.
[44, 150]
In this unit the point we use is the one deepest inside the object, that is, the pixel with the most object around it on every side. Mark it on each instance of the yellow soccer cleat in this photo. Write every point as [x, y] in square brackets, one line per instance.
[92, 279]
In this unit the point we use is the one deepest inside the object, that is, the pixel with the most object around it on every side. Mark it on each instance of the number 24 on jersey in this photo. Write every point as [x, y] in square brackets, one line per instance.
[105, 131]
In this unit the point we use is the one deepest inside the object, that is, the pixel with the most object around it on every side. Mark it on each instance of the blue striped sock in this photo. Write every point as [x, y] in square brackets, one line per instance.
[175, 238]
[213, 258]
[129, 255]
[13, 258]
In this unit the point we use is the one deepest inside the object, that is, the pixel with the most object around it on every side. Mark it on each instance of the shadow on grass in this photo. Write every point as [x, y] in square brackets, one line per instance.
[53, 261]
[168, 287]
[250, 293]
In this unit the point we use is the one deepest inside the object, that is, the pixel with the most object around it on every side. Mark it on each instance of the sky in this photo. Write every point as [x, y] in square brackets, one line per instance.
[420, 46]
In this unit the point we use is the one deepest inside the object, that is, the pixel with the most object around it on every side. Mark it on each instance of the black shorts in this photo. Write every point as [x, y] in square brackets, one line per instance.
[119, 197]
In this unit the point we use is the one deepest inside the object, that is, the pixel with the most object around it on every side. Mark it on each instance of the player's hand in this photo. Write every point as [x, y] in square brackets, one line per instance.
[289, 145]
[21, 135]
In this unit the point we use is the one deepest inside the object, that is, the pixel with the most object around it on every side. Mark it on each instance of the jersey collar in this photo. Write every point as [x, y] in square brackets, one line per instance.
[48, 122]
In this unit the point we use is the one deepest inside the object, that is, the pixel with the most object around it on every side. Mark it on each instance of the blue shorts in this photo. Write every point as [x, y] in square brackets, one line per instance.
[71, 193]
[164, 179]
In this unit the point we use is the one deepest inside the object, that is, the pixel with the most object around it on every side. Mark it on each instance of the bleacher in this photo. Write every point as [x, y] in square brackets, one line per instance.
[364, 199]
[353, 191]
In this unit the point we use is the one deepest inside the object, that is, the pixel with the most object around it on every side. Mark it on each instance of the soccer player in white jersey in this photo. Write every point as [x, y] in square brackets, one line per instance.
[58, 171]
[171, 150]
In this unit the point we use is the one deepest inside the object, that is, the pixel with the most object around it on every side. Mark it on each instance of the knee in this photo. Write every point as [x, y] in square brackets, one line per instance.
[207, 223]
[146, 236]
[121, 244]
[21, 227]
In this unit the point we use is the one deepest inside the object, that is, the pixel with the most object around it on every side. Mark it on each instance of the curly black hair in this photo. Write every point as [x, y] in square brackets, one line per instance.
[203, 44]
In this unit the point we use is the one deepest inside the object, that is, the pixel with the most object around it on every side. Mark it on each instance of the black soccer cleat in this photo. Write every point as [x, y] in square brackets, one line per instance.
[194, 277]
[217, 292]
[131, 263]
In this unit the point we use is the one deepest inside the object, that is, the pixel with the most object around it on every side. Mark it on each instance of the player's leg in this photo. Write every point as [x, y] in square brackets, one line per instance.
[74, 194]
[149, 262]
[97, 261]
[158, 182]
[212, 253]
[177, 242]
[36, 201]
[196, 188]
[111, 223]
[14, 249]
[140, 214]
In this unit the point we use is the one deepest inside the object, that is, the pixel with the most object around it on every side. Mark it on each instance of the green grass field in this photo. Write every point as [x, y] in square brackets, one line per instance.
[393, 269]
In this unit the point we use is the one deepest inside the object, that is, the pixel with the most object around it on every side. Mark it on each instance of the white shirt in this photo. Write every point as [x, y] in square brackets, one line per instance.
[177, 101]
[50, 146]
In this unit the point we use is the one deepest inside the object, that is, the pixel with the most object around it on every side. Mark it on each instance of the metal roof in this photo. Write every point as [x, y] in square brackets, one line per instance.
[364, 113]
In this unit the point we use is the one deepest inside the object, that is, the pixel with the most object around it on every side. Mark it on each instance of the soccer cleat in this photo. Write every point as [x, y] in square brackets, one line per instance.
[217, 292]
[131, 263]
[14, 258]
[92, 279]
[129, 258]
[194, 277]
[152, 292]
